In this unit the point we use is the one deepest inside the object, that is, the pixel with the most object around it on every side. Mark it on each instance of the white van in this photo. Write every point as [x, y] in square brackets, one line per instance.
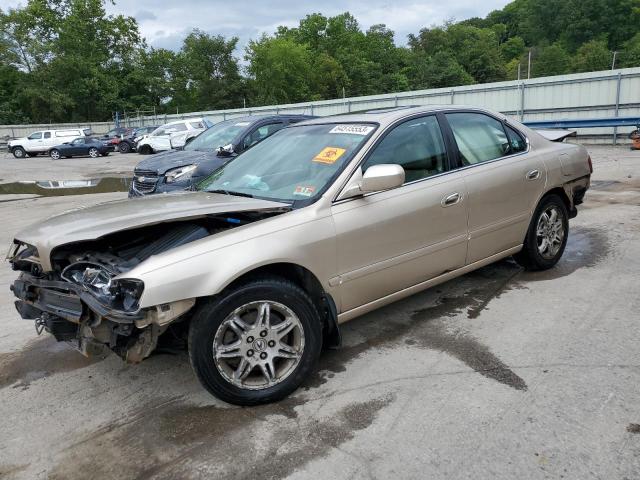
[42, 141]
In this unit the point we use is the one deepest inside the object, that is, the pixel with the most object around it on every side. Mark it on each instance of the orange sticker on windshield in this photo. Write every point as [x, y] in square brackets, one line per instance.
[329, 155]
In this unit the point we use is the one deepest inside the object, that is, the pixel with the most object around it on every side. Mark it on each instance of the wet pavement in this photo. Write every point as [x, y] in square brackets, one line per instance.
[500, 373]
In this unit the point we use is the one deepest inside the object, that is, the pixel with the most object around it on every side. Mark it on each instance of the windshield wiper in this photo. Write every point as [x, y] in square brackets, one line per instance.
[231, 192]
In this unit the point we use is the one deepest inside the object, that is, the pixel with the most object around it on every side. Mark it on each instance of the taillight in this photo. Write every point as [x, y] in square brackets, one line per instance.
[590, 164]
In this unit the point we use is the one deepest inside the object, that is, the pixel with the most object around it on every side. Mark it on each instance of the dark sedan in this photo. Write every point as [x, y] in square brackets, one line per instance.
[176, 170]
[82, 146]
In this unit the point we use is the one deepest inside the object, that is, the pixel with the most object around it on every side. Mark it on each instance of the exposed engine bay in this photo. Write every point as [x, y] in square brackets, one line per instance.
[87, 300]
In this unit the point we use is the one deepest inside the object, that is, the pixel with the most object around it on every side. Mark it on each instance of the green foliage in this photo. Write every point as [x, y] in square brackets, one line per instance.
[68, 60]
[592, 56]
[551, 60]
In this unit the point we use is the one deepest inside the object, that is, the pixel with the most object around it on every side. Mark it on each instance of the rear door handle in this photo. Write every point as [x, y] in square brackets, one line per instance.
[451, 199]
[533, 175]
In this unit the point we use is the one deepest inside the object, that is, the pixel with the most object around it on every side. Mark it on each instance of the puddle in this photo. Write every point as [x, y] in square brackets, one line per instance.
[41, 358]
[58, 188]
[633, 428]
[426, 326]
[586, 247]
[178, 440]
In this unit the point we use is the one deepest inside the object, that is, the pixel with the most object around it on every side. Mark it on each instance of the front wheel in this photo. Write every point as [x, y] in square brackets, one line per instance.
[256, 343]
[93, 152]
[547, 235]
[54, 154]
[124, 147]
[19, 152]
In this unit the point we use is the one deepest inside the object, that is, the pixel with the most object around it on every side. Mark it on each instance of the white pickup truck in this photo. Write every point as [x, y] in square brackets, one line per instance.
[43, 141]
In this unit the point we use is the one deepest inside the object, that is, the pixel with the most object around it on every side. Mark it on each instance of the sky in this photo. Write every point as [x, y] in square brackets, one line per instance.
[164, 23]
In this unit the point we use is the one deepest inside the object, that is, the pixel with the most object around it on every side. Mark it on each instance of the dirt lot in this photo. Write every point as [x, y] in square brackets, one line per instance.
[498, 374]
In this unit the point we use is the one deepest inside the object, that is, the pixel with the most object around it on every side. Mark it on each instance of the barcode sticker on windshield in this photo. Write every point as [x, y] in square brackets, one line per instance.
[352, 129]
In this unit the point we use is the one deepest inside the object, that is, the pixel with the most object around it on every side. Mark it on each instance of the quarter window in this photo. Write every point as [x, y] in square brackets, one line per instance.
[416, 145]
[516, 142]
[47, 134]
[480, 138]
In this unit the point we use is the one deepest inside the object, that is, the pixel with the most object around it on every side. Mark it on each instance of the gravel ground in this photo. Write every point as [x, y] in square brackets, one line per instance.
[499, 374]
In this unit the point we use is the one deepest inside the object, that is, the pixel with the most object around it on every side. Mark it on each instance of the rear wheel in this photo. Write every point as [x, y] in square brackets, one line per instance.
[124, 147]
[256, 343]
[93, 152]
[145, 150]
[54, 154]
[19, 152]
[547, 235]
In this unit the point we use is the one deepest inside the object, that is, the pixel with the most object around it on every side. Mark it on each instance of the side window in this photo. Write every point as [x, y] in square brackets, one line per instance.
[47, 134]
[178, 127]
[479, 137]
[260, 134]
[35, 136]
[416, 145]
[516, 142]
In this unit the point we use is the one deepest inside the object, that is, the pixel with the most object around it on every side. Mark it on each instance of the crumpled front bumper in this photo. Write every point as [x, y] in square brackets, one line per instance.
[62, 299]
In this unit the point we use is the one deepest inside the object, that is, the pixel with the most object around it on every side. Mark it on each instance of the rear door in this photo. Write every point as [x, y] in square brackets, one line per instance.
[394, 239]
[503, 179]
[48, 140]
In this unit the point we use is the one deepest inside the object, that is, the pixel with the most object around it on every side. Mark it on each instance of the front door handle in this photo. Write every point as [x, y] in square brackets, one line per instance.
[533, 175]
[451, 199]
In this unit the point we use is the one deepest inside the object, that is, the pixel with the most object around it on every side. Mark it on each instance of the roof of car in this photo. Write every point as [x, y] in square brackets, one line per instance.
[385, 116]
[281, 116]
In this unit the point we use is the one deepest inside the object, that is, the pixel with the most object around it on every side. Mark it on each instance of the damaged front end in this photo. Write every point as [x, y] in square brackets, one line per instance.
[86, 299]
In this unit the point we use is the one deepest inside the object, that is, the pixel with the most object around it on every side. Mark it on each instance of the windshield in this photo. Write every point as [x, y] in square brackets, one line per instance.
[296, 163]
[220, 135]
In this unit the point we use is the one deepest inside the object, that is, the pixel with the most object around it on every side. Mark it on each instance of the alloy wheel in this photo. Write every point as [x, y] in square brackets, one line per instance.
[93, 152]
[550, 232]
[258, 345]
[55, 154]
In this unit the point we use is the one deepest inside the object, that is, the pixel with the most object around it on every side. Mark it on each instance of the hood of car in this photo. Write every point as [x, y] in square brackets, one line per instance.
[90, 223]
[161, 162]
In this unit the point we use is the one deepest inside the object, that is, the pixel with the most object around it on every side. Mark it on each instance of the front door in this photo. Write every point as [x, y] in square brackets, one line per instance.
[391, 240]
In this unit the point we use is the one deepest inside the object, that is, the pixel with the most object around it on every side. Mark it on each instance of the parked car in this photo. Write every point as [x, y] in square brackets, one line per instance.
[322, 222]
[172, 135]
[82, 146]
[129, 142]
[42, 141]
[180, 169]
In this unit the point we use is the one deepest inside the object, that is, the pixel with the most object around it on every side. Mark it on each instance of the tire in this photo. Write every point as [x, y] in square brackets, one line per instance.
[19, 152]
[145, 150]
[54, 154]
[93, 152]
[124, 147]
[547, 235]
[212, 330]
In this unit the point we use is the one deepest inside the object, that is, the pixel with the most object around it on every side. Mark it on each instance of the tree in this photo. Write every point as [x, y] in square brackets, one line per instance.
[436, 71]
[630, 55]
[281, 69]
[551, 60]
[592, 56]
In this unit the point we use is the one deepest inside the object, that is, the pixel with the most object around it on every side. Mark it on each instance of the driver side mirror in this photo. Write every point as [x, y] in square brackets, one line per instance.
[376, 178]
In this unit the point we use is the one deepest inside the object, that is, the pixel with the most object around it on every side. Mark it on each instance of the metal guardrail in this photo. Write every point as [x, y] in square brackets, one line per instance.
[587, 123]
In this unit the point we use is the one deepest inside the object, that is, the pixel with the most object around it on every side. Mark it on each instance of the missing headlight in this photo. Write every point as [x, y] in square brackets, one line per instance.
[97, 279]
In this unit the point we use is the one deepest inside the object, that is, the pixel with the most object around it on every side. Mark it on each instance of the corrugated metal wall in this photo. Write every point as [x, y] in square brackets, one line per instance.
[582, 95]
